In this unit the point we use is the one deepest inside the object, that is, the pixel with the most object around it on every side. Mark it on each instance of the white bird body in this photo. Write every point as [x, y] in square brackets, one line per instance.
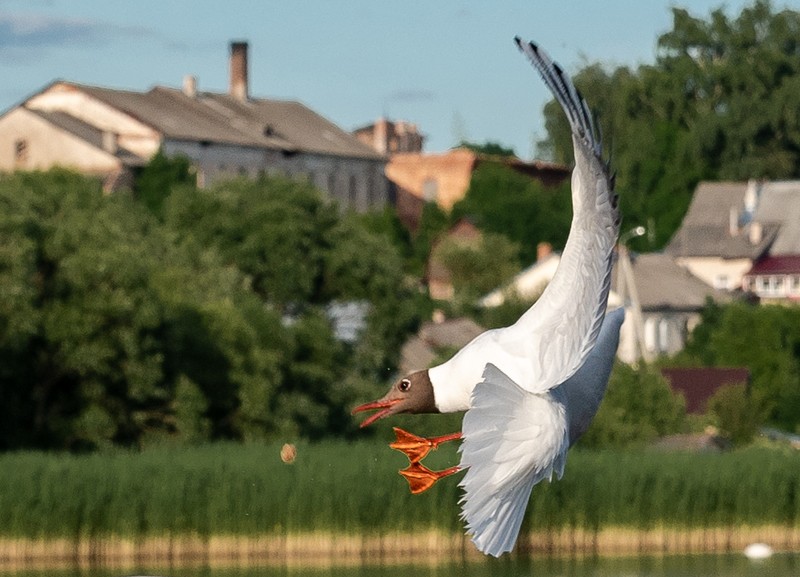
[532, 388]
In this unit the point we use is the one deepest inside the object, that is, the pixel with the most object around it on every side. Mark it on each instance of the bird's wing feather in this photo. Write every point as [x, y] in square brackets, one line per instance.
[553, 338]
[512, 440]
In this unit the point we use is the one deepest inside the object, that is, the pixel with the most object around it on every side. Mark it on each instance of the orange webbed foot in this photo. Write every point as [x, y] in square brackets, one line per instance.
[420, 478]
[416, 447]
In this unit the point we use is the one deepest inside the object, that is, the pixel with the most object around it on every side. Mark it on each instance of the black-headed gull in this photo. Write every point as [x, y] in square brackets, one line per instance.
[531, 389]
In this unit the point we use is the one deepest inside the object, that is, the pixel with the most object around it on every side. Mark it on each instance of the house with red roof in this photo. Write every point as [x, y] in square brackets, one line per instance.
[732, 227]
[774, 278]
[698, 384]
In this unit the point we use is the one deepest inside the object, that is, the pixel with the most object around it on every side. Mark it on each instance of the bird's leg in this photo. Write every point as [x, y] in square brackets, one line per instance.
[416, 447]
[420, 478]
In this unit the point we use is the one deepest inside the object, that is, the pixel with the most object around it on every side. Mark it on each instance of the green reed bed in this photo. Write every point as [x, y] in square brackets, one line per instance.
[355, 489]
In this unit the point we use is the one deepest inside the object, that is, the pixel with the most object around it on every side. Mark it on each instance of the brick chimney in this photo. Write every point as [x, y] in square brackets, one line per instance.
[543, 250]
[238, 86]
[381, 135]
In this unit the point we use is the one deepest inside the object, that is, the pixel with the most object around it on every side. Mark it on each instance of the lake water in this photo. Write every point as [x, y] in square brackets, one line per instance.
[730, 565]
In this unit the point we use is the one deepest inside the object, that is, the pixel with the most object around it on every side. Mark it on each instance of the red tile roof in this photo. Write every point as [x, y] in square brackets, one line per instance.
[697, 385]
[784, 264]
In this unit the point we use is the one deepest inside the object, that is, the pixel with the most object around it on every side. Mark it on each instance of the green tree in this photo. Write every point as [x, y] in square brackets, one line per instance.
[299, 255]
[718, 103]
[737, 413]
[159, 176]
[488, 148]
[638, 407]
[270, 229]
[115, 330]
[432, 224]
[502, 201]
[763, 338]
[479, 267]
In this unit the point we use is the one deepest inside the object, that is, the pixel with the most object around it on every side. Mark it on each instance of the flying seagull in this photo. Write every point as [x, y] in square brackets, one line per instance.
[531, 389]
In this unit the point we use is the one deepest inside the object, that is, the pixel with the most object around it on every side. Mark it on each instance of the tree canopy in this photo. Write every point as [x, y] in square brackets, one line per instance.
[764, 338]
[502, 201]
[210, 322]
[720, 102]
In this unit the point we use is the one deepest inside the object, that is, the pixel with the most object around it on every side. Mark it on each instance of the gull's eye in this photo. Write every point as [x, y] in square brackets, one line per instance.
[404, 385]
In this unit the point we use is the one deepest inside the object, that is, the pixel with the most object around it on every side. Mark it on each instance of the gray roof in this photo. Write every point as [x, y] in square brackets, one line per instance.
[662, 284]
[86, 132]
[774, 206]
[779, 205]
[420, 351]
[220, 118]
[705, 230]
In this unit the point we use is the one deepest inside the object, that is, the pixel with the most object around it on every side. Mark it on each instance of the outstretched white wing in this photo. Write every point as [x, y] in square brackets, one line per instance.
[552, 339]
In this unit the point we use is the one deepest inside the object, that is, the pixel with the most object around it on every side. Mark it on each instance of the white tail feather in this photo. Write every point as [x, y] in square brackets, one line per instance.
[512, 440]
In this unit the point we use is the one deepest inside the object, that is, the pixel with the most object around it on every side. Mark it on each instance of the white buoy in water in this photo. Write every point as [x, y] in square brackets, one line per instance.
[757, 551]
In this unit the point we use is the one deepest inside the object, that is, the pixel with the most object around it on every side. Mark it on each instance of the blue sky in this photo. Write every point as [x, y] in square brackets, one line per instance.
[449, 66]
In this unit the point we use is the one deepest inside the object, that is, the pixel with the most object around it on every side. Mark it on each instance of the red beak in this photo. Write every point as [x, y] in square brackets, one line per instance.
[384, 409]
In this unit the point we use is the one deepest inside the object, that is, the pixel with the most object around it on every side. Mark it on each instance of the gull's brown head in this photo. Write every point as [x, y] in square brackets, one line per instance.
[410, 394]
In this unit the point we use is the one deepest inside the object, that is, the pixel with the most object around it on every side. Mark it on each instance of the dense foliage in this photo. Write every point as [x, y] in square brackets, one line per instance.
[212, 322]
[503, 201]
[763, 338]
[638, 408]
[477, 268]
[720, 102]
[354, 489]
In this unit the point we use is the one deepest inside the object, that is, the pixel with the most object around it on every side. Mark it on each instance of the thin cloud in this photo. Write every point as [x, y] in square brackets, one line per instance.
[26, 32]
[25, 37]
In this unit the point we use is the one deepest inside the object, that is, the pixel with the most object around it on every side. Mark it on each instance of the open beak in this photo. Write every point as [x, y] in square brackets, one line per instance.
[383, 407]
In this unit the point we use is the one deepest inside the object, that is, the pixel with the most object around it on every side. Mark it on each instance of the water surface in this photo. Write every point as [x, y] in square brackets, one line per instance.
[729, 565]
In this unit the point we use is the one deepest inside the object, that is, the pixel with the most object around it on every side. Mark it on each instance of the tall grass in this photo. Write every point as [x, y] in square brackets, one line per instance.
[355, 489]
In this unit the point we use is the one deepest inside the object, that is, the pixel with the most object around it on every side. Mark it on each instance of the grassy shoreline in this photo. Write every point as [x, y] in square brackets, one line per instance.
[340, 501]
[326, 549]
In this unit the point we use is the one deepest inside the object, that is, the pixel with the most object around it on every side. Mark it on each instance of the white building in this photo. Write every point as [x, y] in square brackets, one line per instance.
[112, 133]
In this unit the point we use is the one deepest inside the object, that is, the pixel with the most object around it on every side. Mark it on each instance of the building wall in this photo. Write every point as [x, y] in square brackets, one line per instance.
[717, 272]
[357, 184]
[773, 288]
[47, 146]
[131, 134]
[441, 178]
[664, 334]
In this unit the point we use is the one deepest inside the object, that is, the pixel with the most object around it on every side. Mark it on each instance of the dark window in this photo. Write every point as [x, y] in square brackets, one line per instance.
[20, 151]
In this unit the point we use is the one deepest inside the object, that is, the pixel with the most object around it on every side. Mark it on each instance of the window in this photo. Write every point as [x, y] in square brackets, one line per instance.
[779, 284]
[656, 335]
[430, 190]
[795, 284]
[650, 334]
[721, 281]
[663, 335]
[20, 151]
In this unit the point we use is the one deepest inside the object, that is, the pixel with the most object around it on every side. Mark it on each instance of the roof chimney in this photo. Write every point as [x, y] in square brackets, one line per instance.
[543, 250]
[190, 85]
[238, 87]
[380, 135]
